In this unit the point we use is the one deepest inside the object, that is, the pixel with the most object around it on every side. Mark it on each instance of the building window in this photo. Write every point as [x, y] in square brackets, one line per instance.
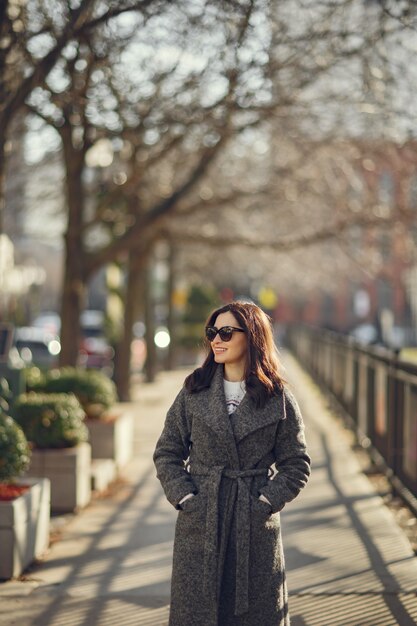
[413, 231]
[384, 244]
[385, 294]
[355, 194]
[355, 239]
[412, 192]
[386, 189]
[328, 311]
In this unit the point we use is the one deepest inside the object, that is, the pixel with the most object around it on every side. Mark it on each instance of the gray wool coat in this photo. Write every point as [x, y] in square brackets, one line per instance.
[228, 564]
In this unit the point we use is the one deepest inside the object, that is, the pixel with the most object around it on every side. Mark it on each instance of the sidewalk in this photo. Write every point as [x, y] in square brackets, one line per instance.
[348, 562]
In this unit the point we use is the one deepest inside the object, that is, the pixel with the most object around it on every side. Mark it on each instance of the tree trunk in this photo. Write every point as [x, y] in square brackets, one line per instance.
[74, 283]
[151, 355]
[170, 362]
[2, 179]
[135, 266]
[72, 303]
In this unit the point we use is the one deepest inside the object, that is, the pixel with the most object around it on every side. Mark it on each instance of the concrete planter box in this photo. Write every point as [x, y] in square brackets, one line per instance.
[24, 528]
[69, 471]
[103, 473]
[111, 436]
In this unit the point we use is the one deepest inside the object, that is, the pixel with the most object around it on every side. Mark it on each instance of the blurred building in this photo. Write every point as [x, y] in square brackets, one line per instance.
[17, 281]
[386, 298]
[32, 225]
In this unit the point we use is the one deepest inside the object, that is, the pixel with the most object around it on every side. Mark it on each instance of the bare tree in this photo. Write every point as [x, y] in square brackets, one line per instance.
[33, 36]
[304, 190]
[154, 134]
[192, 78]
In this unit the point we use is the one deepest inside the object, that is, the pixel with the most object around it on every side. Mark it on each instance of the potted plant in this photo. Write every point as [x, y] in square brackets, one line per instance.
[54, 425]
[24, 506]
[110, 424]
[94, 390]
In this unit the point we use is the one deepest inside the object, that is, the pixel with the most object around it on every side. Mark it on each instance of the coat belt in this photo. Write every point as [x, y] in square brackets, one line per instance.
[211, 573]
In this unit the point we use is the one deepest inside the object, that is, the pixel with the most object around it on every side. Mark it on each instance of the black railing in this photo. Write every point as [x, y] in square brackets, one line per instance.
[378, 394]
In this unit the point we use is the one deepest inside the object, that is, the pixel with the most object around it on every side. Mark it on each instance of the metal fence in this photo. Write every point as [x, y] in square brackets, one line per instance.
[378, 393]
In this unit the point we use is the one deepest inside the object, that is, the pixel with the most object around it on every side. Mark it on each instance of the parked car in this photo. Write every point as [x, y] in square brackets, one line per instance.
[48, 320]
[395, 338]
[365, 333]
[94, 350]
[37, 346]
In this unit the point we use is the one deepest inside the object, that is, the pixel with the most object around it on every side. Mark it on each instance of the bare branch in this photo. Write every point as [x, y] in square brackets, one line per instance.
[289, 243]
[150, 218]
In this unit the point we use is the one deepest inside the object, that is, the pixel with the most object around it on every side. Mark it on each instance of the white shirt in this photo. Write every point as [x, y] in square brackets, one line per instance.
[234, 392]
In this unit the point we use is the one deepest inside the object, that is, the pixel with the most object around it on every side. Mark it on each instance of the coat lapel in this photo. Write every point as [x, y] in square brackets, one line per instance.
[248, 419]
[212, 407]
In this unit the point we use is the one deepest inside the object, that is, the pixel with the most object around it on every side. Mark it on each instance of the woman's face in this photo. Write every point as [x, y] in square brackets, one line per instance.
[231, 352]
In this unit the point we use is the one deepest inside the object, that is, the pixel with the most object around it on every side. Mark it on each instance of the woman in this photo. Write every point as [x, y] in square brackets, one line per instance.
[232, 421]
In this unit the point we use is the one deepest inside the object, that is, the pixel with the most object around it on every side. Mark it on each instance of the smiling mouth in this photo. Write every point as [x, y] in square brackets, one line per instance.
[219, 350]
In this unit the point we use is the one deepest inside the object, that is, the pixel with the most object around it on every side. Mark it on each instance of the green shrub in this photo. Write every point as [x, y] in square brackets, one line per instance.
[5, 395]
[51, 420]
[95, 391]
[34, 378]
[14, 449]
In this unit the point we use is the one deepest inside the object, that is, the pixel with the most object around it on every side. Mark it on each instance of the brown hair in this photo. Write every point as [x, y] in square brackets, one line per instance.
[262, 372]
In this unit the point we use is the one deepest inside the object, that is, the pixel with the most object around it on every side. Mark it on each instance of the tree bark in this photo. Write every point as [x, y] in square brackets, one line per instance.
[135, 276]
[170, 362]
[72, 303]
[2, 178]
[75, 278]
[151, 355]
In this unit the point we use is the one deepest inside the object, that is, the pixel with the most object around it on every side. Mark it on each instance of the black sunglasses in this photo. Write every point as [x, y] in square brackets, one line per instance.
[225, 332]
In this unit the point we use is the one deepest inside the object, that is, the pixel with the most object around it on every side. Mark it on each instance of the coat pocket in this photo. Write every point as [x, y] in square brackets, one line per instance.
[192, 504]
[260, 508]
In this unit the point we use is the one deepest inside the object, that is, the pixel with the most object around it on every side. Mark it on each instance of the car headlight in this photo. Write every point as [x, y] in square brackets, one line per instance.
[54, 347]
